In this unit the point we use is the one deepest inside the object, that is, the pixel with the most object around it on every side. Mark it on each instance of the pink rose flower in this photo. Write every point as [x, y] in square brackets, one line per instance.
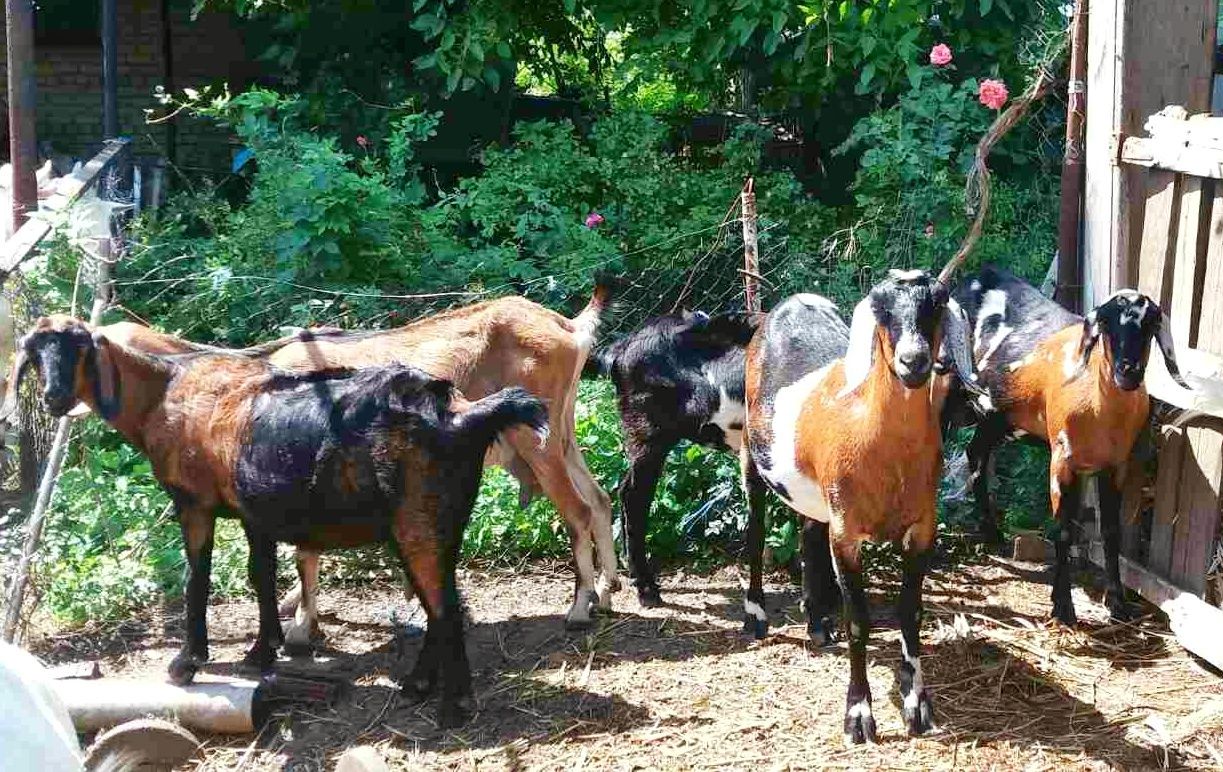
[362, 141]
[940, 55]
[992, 94]
[593, 220]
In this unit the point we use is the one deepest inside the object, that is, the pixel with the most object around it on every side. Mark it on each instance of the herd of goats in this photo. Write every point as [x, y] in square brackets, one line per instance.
[328, 439]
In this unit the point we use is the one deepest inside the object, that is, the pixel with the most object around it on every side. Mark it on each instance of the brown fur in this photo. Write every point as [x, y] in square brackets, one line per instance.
[1090, 424]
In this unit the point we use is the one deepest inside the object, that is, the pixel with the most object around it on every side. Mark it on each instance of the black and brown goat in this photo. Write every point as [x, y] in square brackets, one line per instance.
[678, 377]
[1049, 378]
[331, 458]
[843, 424]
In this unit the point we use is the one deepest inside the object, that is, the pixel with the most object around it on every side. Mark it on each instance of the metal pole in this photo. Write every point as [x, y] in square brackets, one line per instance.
[23, 138]
[110, 69]
[1069, 260]
[751, 264]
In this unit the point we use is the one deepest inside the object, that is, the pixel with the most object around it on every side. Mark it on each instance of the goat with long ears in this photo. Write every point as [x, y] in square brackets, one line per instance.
[333, 458]
[1074, 383]
[843, 424]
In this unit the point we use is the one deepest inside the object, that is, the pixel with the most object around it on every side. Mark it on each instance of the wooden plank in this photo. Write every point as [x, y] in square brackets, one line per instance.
[1190, 259]
[1102, 182]
[23, 242]
[1167, 59]
[1197, 519]
[1197, 625]
[1159, 242]
[1167, 488]
[1189, 159]
[1202, 470]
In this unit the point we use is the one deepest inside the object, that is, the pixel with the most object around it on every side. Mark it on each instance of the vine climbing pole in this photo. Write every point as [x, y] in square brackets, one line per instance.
[751, 254]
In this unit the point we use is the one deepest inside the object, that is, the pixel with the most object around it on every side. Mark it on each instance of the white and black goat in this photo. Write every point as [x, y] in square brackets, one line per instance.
[678, 377]
[843, 424]
[1049, 379]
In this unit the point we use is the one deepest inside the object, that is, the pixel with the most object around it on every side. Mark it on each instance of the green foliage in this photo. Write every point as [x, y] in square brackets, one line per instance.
[112, 544]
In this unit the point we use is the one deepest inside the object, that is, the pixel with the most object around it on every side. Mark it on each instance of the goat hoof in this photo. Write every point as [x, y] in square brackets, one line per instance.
[260, 657]
[1119, 610]
[452, 713]
[859, 726]
[183, 668]
[919, 718]
[758, 628]
[1064, 613]
[822, 632]
[649, 596]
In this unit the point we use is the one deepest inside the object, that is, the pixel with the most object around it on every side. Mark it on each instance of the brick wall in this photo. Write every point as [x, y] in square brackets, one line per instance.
[69, 111]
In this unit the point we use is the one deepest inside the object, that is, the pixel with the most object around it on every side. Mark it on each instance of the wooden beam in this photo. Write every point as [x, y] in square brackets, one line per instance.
[22, 243]
[1188, 159]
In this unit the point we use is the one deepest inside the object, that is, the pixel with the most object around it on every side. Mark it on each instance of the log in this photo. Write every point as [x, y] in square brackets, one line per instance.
[211, 704]
[220, 706]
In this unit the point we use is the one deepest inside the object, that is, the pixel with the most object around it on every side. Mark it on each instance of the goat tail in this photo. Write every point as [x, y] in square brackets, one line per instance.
[587, 323]
[487, 418]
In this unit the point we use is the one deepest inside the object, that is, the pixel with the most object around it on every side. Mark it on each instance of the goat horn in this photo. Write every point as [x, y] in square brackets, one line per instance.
[978, 176]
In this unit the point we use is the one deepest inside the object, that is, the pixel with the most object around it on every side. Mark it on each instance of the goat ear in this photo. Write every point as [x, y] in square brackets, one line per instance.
[21, 363]
[1087, 344]
[105, 377]
[957, 343]
[860, 355]
[1163, 336]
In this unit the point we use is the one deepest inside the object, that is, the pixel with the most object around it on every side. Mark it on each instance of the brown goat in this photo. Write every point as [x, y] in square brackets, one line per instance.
[480, 348]
[330, 458]
[843, 424]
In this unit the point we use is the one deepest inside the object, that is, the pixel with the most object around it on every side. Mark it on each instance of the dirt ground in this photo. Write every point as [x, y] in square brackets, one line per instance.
[681, 688]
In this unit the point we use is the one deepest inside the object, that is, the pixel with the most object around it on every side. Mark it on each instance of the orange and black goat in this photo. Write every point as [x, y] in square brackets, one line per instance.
[1073, 383]
[331, 458]
[843, 424]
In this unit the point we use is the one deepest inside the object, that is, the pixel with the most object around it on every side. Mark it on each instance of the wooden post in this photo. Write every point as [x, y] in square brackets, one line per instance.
[751, 258]
[23, 137]
[1069, 260]
[110, 69]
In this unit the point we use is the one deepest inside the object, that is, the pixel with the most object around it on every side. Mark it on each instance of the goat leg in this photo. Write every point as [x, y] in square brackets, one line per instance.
[980, 451]
[1065, 490]
[859, 722]
[916, 705]
[300, 638]
[755, 619]
[636, 495]
[1109, 482]
[820, 591]
[198, 527]
[261, 570]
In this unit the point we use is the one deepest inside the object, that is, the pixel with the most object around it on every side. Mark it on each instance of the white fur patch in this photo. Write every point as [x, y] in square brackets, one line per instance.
[730, 412]
[753, 608]
[911, 700]
[803, 494]
[861, 352]
[815, 301]
[860, 709]
[1021, 363]
[985, 403]
[912, 274]
[1070, 358]
[993, 304]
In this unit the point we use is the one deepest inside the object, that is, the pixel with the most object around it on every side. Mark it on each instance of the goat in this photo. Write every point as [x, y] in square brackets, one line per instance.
[1049, 379]
[843, 424]
[480, 348]
[678, 377]
[329, 458]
